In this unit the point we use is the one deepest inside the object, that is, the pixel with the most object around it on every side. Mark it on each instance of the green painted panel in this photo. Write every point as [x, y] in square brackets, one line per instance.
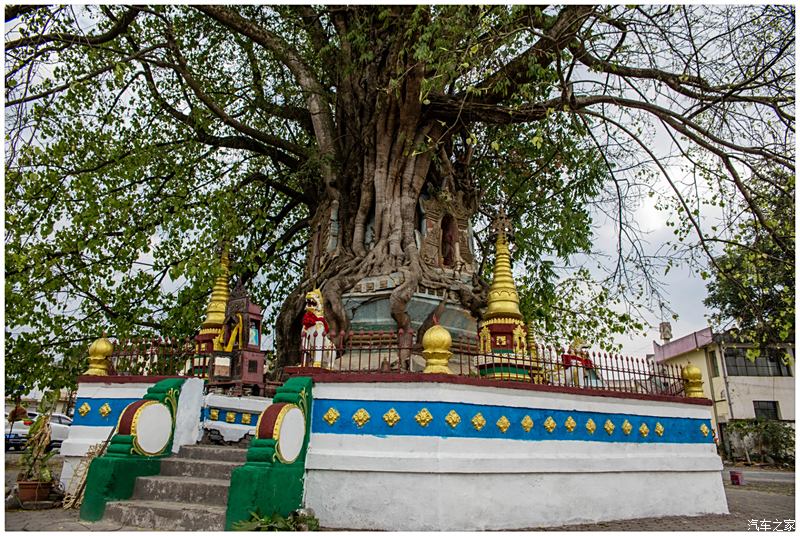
[112, 478]
[264, 484]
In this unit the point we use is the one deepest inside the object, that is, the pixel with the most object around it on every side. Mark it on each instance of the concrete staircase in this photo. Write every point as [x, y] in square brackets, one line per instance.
[190, 494]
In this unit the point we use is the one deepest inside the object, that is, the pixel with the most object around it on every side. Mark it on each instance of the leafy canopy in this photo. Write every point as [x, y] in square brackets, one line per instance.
[138, 138]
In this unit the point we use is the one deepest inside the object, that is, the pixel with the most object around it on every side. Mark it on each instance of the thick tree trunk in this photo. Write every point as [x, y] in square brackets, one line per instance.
[386, 149]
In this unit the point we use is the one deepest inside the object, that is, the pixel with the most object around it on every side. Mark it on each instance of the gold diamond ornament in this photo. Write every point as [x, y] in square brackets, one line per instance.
[214, 414]
[361, 417]
[644, 430]
[570, 424]
[84, 409]
[609, 427]
[659, 429]
[391, 417]
[246, 418]
[105, 409]
[478, 422]
[503, 423]
[527, 423]
[704, 430]
[627, 427]
[453, 418]
[590, 426]
[331, 416]
[424, 417]
[230, 416]
[550, 425]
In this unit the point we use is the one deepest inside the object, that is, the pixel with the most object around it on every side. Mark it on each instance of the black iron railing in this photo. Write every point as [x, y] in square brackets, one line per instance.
[402, 352]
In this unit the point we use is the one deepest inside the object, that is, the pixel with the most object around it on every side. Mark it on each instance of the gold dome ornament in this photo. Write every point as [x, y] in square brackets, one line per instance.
[99, 362]
[436, 350]
[503, 298]
[692, 381]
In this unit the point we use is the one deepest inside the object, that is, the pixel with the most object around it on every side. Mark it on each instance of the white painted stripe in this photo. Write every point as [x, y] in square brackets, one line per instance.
[230, 431]
[496, 396]
[341, 452]
[82, 437]
[468, 502]
[103, 391]
[250, 404]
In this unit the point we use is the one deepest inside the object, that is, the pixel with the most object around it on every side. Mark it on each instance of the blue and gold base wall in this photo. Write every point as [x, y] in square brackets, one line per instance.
[100, 401]
[98, 405]
[232, 417]
[446, 452]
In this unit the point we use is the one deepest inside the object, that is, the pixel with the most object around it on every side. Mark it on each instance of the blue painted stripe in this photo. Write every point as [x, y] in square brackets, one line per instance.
[93, 418]
[676, 430]
[206, 416]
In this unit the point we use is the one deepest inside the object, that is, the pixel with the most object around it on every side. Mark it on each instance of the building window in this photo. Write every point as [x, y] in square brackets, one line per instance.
[769, 363]
[766, 410]
[714, 365]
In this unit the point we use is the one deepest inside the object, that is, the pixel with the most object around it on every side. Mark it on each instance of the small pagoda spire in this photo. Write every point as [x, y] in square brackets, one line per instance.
[531, 341]
[503, 297]
[215, 312]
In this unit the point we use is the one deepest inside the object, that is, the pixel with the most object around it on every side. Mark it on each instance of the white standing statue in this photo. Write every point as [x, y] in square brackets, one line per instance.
[318, 350]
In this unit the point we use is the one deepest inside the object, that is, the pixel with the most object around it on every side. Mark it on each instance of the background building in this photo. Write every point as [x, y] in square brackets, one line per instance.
[738, 387]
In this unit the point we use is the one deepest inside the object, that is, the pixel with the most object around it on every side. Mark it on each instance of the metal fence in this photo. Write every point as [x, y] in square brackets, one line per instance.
[401, 352]
[159, 357]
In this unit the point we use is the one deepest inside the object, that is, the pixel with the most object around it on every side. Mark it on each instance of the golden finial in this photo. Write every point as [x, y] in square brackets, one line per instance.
[215, 312]
[692, 381]
[436, 350]
[531, 341]
[503, 297]
[99, 351]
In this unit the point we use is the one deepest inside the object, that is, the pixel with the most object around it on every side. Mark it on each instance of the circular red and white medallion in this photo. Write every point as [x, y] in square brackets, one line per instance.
[286, 424]
[150, 424]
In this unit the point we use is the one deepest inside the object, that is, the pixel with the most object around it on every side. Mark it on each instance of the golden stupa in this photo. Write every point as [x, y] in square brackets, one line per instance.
[503, 298]
[217, 305]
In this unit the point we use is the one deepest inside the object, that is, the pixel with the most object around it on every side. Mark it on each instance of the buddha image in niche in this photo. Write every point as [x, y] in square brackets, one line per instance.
[253, 335]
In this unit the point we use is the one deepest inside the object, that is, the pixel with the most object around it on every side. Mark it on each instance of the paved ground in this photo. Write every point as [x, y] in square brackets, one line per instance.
[766, 496]
[745, 503]
[759, 475]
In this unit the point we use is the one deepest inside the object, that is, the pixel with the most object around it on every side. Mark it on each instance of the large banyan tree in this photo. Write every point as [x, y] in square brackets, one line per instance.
[309, 138]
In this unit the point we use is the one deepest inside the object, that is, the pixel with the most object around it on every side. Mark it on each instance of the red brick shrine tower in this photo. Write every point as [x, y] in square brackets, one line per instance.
[241, 343]
[231, 337]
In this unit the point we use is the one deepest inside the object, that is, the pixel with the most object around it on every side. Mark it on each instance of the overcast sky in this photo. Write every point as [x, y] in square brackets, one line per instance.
[684, 290]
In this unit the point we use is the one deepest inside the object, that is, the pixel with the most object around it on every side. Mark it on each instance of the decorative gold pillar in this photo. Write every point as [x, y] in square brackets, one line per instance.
[99, 362]
[436, 350]
[692, 381]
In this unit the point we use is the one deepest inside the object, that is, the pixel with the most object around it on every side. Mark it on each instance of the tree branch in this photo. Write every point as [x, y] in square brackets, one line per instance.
[316, 95]
[119, 27]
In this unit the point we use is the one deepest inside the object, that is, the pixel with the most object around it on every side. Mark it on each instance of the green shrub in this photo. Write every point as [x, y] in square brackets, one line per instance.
[297, 521]
[764, 438]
